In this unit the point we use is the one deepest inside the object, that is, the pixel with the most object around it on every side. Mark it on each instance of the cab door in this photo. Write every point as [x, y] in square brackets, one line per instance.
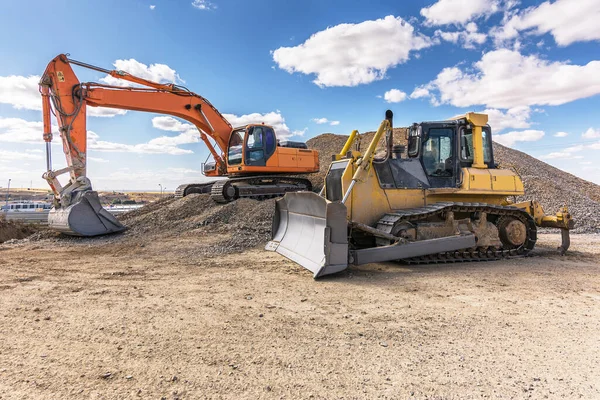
[438, 155]
[260, 145]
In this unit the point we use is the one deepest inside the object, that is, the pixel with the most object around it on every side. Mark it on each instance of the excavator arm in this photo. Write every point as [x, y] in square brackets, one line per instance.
[67, 98]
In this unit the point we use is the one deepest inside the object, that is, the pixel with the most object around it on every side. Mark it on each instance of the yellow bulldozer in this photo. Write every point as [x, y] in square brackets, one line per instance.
[441, 199]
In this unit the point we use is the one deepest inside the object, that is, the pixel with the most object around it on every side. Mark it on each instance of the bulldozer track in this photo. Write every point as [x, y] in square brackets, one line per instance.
[388, 221]
[256, 187]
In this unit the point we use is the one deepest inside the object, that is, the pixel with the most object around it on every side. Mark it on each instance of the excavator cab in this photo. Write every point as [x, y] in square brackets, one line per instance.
[251, 145]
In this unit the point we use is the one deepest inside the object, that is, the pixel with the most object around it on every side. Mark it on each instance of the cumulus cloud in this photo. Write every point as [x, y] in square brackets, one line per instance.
[152, 6]
[6, 155]
[154, 146]
[17, 130]
[353, 54]
[203, 5]
[419, 92]
[516, 118]
[511, 138]
[571, 152]
[23, 94]
[591, 133]
[560, 134]
[467, 38]
[394, 96]
[321, 121]
[566, 20]
[445, 12]
[275, 119]
[505, 79]
[160, 73]
[167, 123]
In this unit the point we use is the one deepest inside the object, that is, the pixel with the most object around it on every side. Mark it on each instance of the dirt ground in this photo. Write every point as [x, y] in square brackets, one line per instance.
[123, 318]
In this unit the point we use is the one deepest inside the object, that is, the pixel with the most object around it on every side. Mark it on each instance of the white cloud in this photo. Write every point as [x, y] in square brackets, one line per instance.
[445, 12]
[104, 112]
[591, 134]
[321, 121]
[17, 130]
[97, 159]
[419, 92]
[160, 73]
[570, 152]
[353, 54]
[300, 132]
[167, 123]
[394, 96]
[567, 21]
[6, 155]
[511, 138]
[275, 119]
[203, 5]
[23, 94]
[152, 6]
[506, 79]
[560, 134]
[155, 146]
[468, 38]
[516, 118]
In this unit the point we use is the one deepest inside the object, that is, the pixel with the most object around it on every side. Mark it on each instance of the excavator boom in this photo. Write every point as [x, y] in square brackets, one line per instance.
[77, 209]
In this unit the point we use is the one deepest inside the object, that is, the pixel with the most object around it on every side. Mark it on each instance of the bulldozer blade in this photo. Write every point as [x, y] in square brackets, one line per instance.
[85, 217]
[312, 232]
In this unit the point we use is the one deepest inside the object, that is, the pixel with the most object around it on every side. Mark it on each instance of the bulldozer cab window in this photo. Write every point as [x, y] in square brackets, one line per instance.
[437, 152]
[466, 145]
[236, 145]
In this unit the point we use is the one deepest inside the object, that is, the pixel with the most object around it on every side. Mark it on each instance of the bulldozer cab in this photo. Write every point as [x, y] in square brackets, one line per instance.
[442, 149]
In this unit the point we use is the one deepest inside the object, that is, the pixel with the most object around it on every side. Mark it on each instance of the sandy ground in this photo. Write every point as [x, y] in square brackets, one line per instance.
[106, 319]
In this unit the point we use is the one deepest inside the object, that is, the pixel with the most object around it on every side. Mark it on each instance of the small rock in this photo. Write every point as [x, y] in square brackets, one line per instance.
[248, 297]
[383, 344]
[260, 315]
[174, 378]
[106, 375]
[128, 377]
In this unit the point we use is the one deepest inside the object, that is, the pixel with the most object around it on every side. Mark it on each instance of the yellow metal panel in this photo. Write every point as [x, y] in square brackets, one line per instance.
[477, 179]
[504, 180]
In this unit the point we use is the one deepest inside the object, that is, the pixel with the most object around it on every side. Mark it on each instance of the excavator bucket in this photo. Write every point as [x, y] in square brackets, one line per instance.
[85, 217]
[311, 231]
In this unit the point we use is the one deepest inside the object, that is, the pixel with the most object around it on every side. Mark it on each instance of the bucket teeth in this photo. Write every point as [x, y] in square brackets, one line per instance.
[85, 217]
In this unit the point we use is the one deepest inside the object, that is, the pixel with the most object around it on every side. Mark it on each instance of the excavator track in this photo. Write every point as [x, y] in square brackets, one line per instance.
[257, 187]
[438, 211]
[189, 188]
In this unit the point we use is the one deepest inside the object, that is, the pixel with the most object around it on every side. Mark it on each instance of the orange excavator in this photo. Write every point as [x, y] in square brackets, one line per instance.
[251, 157]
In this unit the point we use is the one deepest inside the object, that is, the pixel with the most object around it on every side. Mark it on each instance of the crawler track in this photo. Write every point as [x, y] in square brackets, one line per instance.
[438, 211]
[257, 187]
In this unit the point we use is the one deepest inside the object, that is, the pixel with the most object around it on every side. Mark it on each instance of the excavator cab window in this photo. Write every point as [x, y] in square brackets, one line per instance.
[255, 147]
[236, 145]
[437, 153]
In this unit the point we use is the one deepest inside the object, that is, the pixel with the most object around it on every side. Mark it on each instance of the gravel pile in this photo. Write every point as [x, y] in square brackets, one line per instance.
[235, 226]
[552, 187]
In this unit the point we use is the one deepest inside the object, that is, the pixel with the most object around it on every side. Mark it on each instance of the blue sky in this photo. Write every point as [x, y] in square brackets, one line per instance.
[307, 67]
